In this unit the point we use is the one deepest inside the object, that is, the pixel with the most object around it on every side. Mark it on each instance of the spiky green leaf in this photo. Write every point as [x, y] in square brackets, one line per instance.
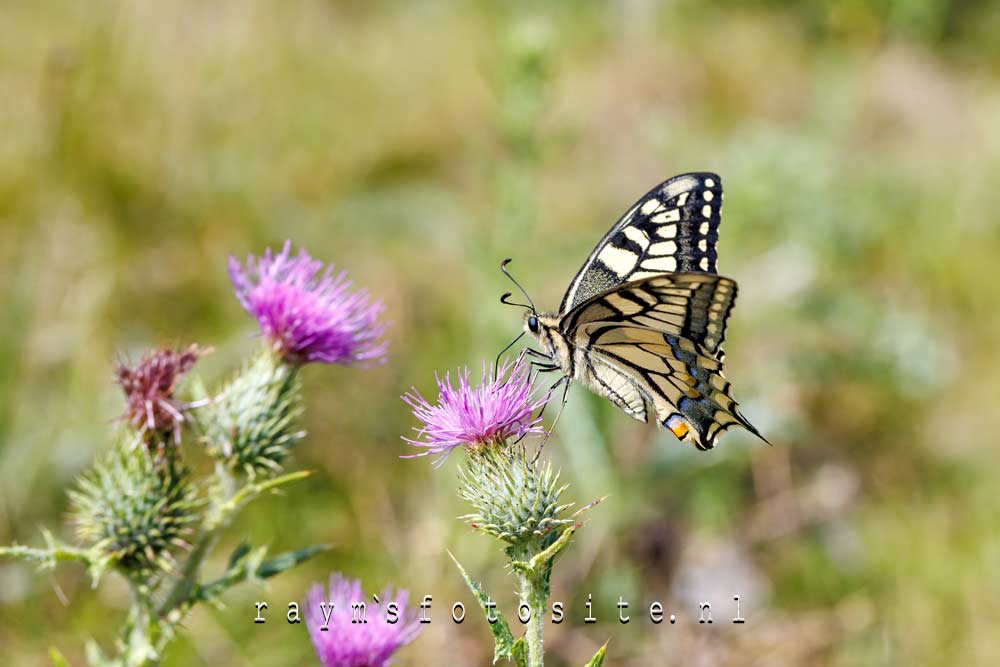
[519, 653]
[239, 553]
[288, 560]
[504, 645]
[598, 658]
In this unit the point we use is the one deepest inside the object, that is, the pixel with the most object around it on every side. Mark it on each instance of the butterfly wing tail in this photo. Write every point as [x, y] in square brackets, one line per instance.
[745, 423]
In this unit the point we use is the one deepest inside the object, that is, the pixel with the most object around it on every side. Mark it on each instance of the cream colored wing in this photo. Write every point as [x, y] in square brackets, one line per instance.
[605, 378]
[673, 228]
[679, 383]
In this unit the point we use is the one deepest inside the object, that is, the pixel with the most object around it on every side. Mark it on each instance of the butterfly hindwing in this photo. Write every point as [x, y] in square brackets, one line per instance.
[659, 340]
[673, 228]
[617, 386]
[674, 377]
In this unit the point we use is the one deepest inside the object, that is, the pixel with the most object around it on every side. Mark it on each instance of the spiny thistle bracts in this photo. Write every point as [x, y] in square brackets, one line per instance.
[252, 425]
[514, 499]
[135, 513]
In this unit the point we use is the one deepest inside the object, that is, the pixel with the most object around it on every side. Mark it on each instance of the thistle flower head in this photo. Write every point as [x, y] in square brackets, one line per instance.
[307, 313]
[513, 499]
[252, 425]
[150, 406]
[501, 407]
[341, 642]
[135, 512]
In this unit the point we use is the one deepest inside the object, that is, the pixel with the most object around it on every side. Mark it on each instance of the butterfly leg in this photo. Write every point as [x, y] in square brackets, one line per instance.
[496, 364]
[542, 411]
[544, 368]
[554, 386]
[565, 381]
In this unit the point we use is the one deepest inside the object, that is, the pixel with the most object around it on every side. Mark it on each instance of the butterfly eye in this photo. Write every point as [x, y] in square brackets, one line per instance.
[533, 324]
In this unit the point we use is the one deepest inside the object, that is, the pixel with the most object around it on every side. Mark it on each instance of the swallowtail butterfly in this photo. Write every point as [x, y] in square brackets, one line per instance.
[642, 323]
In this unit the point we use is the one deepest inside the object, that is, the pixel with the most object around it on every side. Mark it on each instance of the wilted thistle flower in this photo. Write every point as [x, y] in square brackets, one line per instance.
[515, 500]
[305, 312]
[252, 425]
[128, 509]
[149, 386]
[345, 643]
[499, 409]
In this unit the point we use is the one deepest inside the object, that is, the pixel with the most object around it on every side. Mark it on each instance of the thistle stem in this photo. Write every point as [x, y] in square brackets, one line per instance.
[172, 608]
[533, 568]
[232, 498]
[50, 555]
[534, 594]
[216, 520]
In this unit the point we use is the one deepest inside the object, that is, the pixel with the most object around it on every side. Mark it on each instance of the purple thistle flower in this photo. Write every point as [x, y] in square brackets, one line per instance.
[344, 643]
[305, 312]
[500, 408]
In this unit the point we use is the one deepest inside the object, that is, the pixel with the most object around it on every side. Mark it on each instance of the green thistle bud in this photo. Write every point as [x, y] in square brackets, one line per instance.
[514, 499]
[135, 512]
[252, 424]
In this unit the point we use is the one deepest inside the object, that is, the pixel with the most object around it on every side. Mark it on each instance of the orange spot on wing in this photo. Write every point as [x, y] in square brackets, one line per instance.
[678, 427]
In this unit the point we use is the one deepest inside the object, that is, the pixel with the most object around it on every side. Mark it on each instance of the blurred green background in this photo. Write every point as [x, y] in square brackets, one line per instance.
[416, 145]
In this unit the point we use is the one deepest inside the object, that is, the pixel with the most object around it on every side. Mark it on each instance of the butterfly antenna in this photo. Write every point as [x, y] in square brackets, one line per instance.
[565, 380]
[503, 299]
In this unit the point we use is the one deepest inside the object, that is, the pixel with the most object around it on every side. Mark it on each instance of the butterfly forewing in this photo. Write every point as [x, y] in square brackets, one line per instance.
[695, 306]
[673, 228]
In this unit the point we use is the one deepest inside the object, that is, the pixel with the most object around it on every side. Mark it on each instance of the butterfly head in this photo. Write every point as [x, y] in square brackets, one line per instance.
[537, 325]
[544, 328]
